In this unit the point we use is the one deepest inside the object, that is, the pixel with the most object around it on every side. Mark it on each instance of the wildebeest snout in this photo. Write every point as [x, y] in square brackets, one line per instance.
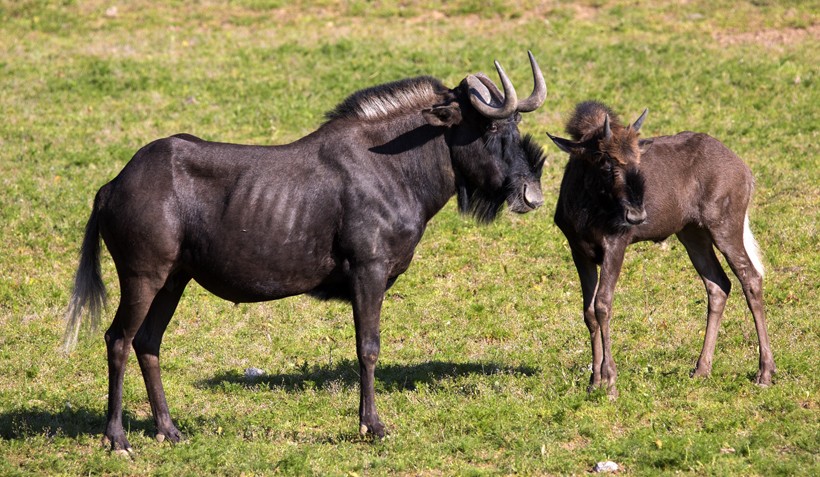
[525, 197]
[533, 196]
[635, 216]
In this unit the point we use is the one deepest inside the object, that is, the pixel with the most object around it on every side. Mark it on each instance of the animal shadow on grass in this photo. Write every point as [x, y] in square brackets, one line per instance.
[70, 422]
[389, 377]
[73, 422]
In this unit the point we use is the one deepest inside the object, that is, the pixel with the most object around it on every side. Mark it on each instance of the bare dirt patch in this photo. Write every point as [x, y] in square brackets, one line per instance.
[770, 38]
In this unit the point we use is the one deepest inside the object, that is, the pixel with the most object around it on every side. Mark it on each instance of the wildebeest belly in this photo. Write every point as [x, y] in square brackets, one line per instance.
[243, 268]
[263, 240]
[286, 271]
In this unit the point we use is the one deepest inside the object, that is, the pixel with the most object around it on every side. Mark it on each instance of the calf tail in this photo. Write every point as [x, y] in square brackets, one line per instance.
[89, 289]
[752, 249]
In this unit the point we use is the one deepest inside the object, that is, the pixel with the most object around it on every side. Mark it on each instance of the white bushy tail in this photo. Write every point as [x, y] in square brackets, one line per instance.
[752, 249]
[89, 289]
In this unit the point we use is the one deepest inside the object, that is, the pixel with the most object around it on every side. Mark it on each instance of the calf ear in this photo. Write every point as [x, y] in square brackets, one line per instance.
[563, 144]
[645, 144]
[446, 116]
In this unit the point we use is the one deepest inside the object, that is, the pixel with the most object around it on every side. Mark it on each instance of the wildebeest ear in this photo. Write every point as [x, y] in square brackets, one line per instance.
[563, 144]
[447, 116]
[645, 144]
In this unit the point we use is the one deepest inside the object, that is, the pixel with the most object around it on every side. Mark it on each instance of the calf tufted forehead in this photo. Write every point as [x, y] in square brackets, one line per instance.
[622, 146]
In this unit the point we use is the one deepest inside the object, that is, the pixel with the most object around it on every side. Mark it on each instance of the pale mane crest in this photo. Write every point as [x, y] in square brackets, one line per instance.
[386, 100]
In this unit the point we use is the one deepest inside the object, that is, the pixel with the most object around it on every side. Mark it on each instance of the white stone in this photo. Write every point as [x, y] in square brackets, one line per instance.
[605, 466]
[254, 373]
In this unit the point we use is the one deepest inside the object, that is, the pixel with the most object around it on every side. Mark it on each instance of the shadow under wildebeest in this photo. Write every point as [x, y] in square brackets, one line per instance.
[72, 422]
[392, 377]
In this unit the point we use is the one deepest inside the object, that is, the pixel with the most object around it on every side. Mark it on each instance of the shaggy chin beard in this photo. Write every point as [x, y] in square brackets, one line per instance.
[483, 207]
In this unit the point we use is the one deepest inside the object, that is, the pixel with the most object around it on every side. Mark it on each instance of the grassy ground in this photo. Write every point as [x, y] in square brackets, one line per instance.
[485, 355]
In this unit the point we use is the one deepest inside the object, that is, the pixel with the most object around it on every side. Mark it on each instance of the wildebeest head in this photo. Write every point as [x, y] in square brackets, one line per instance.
[611, 155]
[493, 163]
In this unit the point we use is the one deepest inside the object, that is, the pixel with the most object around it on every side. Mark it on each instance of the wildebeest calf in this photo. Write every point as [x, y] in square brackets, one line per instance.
[336, 214]
[618, 189]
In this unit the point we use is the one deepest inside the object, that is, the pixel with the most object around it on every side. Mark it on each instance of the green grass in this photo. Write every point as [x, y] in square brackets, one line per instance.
[484, 360]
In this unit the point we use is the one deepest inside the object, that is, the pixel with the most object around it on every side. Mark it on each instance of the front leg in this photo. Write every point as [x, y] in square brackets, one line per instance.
[369, 282]
[588, 275]
[614, 249]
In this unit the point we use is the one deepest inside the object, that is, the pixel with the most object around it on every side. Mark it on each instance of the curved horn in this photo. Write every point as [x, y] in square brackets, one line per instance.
[496, 96]
[510, 98]
[636, 126]
[539, 90]
[607, 130]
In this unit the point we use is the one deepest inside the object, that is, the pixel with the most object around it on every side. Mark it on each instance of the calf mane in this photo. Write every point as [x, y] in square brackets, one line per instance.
[587, 124]
[588, 120]
[390, 99]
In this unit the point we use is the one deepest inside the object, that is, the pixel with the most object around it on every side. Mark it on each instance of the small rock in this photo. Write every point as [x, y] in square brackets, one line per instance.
[606, 466]
[251, 373]
[111, 12]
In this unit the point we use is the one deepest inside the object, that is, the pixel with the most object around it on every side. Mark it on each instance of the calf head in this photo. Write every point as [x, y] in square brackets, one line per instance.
[611, 155]
[493, 164]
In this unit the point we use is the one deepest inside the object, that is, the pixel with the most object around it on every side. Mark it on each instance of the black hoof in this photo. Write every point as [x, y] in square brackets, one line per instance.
[118, 445]
[376, 430]
[171, 435]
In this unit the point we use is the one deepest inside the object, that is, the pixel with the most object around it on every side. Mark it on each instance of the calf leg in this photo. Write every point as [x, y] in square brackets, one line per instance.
[146, 345]
[698, 243]
[610, 271]
[588, 275]
[732, 245]
[136, 297]
[369, 282]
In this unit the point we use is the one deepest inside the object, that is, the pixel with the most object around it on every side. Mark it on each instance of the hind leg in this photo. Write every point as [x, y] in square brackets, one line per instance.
[698, 243]
[738, 246]
[137, 295]
[146, 345]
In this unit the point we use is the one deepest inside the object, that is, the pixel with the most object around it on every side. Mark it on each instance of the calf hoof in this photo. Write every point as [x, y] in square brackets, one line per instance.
[594, 383]
[612, 392]
[700, 372]
[376, 429]
[764, 378]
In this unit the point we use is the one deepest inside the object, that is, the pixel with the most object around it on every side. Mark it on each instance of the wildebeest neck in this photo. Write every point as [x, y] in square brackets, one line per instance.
[409, 140]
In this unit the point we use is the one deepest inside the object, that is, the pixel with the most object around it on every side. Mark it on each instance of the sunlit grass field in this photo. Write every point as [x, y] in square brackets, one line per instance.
[485, 356]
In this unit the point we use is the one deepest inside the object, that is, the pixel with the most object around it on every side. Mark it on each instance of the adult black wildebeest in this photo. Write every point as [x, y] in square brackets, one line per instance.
[336, 214]
[619, 190]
